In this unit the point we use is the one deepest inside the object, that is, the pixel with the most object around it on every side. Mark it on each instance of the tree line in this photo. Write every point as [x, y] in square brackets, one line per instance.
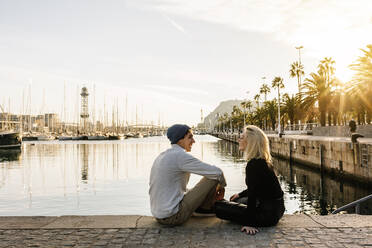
[322, 98]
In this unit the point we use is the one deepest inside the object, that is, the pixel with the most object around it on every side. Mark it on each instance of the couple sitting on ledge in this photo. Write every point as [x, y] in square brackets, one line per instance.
[261, 204]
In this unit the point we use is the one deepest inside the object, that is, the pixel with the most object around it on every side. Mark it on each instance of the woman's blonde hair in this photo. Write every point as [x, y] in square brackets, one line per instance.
[257, 144]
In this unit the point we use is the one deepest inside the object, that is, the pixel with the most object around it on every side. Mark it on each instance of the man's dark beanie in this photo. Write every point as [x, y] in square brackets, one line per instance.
[177, 132]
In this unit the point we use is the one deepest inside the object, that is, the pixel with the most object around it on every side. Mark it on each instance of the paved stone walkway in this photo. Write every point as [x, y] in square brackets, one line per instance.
[181, 237]
[79, 231]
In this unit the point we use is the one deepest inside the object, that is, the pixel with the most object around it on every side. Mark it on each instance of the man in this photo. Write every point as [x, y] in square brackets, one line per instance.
[170, 173]
[354, 134]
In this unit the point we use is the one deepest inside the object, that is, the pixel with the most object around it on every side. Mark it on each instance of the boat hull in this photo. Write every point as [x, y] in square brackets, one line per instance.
[10, 140]
[29, 138]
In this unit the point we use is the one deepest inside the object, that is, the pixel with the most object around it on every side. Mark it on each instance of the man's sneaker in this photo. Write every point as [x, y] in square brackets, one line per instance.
[202, 212]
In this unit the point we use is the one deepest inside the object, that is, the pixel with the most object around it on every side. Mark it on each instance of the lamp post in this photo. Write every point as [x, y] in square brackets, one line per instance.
[299, 53]
[279, 129]
[278, 82]
[265, 125]
[245, 104]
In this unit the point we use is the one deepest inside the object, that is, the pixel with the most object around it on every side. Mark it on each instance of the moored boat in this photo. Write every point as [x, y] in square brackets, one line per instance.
[45, 137]
[65, 138]
[97, 137]
[29, 138]
[10, 140]
[138, 135]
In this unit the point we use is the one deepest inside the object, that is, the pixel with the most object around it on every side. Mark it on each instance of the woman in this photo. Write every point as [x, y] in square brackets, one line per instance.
[261, 204]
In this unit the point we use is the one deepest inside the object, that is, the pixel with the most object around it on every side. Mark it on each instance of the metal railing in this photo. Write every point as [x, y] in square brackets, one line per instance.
[355, 204]
[301, 127]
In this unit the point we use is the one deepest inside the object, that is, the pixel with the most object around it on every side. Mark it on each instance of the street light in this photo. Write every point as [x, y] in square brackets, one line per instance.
[263, 79]
[299, 53]
[245, 103]
[279, 128]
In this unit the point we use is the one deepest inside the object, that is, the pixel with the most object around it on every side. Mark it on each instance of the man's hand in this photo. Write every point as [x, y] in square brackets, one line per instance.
[220, 193]
[233, 197]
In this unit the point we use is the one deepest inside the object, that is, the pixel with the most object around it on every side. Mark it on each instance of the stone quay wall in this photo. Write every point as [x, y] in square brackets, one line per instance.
[335, 155]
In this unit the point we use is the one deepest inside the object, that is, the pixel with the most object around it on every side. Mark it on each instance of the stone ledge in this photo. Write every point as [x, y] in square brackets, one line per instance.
[137, 221]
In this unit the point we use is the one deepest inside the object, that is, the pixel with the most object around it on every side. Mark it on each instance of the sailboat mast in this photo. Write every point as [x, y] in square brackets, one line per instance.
[104, 113]
[29, 112]
[126, 111]
[117, 115]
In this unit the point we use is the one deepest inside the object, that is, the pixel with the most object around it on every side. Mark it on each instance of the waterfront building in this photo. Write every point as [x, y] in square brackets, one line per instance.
[52, 122]
[8, 121]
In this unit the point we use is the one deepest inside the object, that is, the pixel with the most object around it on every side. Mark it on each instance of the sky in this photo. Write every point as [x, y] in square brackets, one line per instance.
[167, 59]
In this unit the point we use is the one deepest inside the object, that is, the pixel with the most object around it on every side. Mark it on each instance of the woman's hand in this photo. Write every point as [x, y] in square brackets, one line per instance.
[233, 197]
[249, 230]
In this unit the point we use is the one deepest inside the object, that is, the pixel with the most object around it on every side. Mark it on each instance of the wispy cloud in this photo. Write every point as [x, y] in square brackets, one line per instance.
[174, 24]
[337, 28]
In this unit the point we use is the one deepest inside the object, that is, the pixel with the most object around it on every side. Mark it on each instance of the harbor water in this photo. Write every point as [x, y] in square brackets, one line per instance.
[54, 178]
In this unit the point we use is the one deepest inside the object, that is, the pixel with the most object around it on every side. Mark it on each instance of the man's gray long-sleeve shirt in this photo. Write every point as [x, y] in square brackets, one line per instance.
[169, 176]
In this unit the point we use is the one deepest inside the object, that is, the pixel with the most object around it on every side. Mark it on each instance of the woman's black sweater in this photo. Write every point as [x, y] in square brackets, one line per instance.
[262, 184]
[265, 204]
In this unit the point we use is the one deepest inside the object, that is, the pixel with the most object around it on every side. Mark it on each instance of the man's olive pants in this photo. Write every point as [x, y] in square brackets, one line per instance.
[202, 195]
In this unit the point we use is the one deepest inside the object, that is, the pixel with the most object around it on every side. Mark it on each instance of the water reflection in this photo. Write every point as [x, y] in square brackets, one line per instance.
[10, 155]
[54, 178]
[326, 193]
[69, 178]
[229, 150]
[308, 190]
[84, 158]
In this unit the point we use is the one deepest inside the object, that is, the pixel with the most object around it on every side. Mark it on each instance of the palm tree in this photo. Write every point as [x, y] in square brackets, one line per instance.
[265, 89]
[316, 90]
[362, 80]
[257, 99]
[236, 115]
[258, 116]
[271, 108]
[290, 107]
[246, 105]
[220, 121]
[337, 106]
[297, 70]
[225, 118]
[326, 66]
[278, 83]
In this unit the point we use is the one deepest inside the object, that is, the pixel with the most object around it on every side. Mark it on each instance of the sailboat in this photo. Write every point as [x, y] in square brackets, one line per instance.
[9, 139]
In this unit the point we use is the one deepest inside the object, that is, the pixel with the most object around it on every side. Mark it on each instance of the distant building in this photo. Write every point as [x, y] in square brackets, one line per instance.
[26, 122]
[8, 121]
[99, 126]
[51, 122]
[47, 122]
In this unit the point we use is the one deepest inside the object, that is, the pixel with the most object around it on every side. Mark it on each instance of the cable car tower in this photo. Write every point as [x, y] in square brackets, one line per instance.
[84, 114]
